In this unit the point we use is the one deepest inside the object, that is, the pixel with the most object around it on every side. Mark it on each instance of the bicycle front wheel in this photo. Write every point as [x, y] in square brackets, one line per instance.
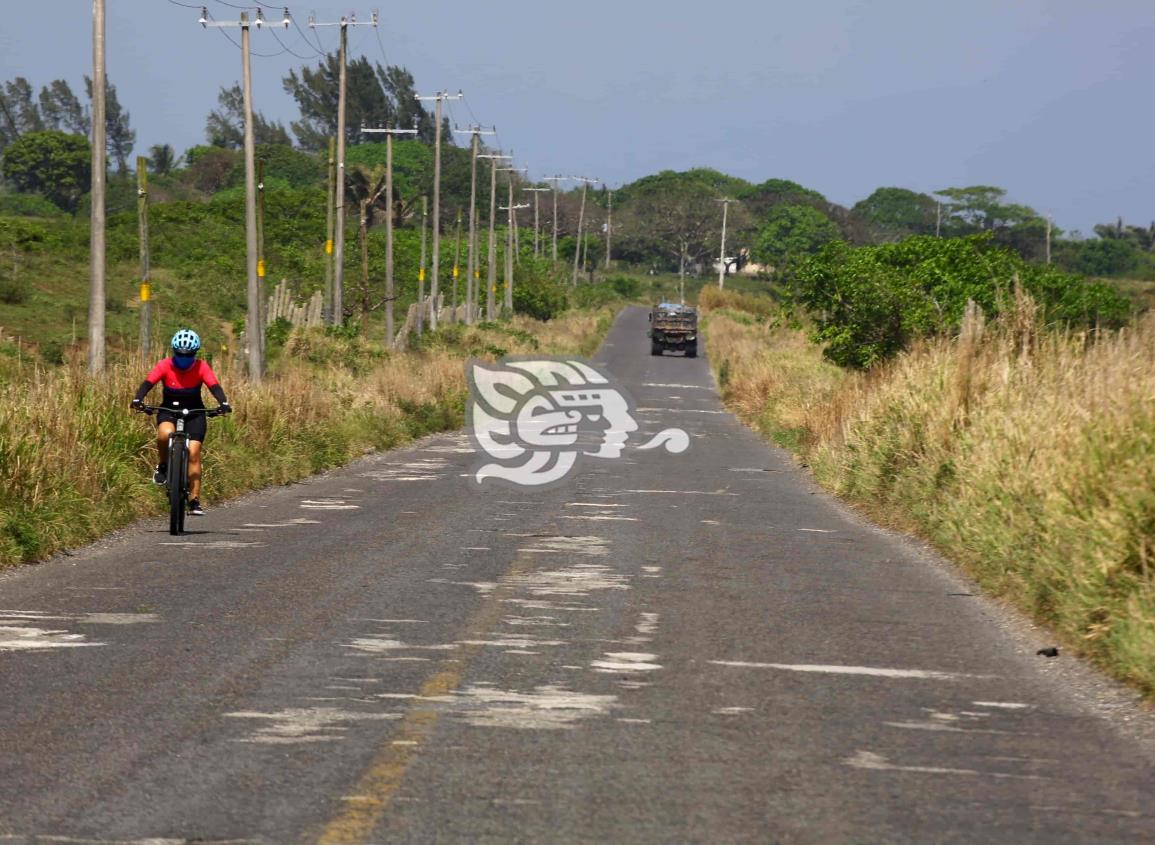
[176, 485]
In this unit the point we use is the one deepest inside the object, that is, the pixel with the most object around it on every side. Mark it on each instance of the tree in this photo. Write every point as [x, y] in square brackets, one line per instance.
[375, 96]
[120, 136]
[60, 109]
[669, 218]
[979, 208]
[51, 163]
[792, 231]
[18, 112]
[897, 213]
[225, 127]
[161, 158]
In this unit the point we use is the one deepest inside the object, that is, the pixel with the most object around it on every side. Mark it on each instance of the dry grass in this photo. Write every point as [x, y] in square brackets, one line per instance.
[75, 462]
[1027, 456]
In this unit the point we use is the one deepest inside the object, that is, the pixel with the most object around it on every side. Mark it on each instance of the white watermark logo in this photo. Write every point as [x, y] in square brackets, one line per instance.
[530, 419]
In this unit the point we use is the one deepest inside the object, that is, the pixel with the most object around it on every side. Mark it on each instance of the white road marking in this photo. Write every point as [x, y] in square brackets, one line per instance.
[594, 505]
[23, 638]
[732, 711]
[380, 645]
[581, 579]
[596, 518]
[872, 671]
[286, 524]
[475, 548]
[648, 624]
[116, 618]
[518, 641]
[545, 708]
[301, 725]
[678, 411]
[710, 522]
[591, 546]
[877, 762]
[678, 386]
[1003, 705]
[626, 661]
[213, 544]
[817, 530]
[685, 492]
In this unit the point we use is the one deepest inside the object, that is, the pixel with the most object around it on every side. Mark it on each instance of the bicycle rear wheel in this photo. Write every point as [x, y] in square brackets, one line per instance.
[177, 469]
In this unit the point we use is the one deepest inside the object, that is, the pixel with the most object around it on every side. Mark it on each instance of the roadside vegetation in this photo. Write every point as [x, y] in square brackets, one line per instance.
[1021, 446]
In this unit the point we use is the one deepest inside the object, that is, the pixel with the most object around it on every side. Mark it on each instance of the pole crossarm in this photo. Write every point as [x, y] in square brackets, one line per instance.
[440, 95]
[351, 20]
[475, 130]
[258, 21]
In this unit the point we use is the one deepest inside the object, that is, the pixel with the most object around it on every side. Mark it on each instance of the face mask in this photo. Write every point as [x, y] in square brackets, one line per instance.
[183, 362]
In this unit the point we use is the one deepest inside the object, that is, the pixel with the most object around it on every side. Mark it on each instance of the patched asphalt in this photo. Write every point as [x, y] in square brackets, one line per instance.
[664, 648]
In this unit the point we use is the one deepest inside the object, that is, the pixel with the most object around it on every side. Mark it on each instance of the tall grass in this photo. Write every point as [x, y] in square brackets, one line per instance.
[75, 462]
[1026, 455]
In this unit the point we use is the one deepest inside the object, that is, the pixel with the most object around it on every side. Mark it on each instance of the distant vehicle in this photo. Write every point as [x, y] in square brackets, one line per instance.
[674, 327]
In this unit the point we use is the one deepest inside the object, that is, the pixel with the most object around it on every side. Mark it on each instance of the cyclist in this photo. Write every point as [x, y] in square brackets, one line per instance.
[182, 375]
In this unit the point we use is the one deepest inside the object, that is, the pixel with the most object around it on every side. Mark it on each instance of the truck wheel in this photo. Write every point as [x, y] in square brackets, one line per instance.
[655, 349]
[692, 351]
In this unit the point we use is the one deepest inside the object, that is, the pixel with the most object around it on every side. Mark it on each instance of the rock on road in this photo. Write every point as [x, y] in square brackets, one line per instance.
[664, 648]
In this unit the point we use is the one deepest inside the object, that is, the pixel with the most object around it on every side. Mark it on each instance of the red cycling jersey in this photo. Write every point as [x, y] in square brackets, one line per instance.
[182, 384]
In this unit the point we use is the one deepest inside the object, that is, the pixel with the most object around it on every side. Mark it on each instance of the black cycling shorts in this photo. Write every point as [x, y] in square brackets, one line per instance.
[195, 424]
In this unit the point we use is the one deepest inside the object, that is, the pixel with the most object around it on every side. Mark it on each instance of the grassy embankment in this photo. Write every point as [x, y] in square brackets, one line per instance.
[74, 461]
[1026, 455]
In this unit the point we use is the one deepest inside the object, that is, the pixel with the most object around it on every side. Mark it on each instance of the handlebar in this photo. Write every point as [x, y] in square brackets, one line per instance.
[184, 412]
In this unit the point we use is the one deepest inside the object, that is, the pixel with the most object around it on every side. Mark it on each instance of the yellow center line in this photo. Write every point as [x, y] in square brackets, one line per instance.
[355, 822]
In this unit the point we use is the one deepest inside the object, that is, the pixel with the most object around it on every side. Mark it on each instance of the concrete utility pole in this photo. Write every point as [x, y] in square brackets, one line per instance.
[390, 296]
[254, 326]
[722, 255]
[330, 198]
[491, 266]
[421, 269]
[536, 218]
[96, 304]
[456, 268]
[609, 230]
[471, 273]
[434, 283]
[510, 246]
[145, 273]
[581, 220]
[555, 180]
[338, 315]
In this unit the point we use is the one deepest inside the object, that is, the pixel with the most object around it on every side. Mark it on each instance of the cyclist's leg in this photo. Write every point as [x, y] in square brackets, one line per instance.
[194, 469]
[164, 431]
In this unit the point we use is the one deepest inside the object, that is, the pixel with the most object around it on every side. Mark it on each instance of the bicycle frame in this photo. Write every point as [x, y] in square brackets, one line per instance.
[177, 481]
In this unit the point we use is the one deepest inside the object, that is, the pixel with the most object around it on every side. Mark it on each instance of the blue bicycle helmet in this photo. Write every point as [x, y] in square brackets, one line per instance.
[186, 342]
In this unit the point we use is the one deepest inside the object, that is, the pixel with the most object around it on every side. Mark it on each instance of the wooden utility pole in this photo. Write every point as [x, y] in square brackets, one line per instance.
[555, 180]
[421, 269]
[581, 220]
[390, 295]
[456, 268]
[722, 255]
[536, 218]
[96, 297]
[609, 229]
[254, 326]
[435, 278]
[338, 305]
[491, 264]
[329, 230]
[472, 273]
[145, 273]
[262, 288]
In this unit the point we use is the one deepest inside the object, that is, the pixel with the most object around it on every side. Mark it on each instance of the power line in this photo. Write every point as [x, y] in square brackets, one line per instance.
[290, 51]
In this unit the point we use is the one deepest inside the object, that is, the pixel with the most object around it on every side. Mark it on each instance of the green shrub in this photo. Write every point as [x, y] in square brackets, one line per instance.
[869, 303]
[26, 205]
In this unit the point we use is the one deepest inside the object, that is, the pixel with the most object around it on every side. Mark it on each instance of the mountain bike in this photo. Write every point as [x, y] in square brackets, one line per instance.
[177, 481]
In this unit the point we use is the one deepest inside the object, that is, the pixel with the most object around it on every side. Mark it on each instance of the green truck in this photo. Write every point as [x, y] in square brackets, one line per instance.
[674, 327]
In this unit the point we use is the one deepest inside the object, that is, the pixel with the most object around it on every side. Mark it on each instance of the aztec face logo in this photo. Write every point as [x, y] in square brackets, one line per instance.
[530, 419]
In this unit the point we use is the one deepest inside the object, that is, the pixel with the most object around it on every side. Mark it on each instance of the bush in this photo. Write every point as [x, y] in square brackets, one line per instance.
[26, 205]
[537, 294]
[14, 291]
[869, 303]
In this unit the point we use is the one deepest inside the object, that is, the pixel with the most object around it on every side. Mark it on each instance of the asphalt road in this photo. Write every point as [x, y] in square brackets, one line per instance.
[665, 648]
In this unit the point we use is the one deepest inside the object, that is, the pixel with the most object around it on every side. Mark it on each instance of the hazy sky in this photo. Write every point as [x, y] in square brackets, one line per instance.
[1051, 100]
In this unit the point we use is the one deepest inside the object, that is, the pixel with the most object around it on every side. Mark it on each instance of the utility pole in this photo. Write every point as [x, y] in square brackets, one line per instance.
[722, 255]
[421, 269]
[510, 239]
[456, 268]
[581, 220]
[332, 178]
[262, 296]
[145, 274]
[390, 296]
[536, 218]
[609, 229]
[491, 266]
[471, 273]
[338, 315]
[555, 180]
[96, 304]
[254, 326]
[938, 219]
[1049, 223]
[434, 283]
